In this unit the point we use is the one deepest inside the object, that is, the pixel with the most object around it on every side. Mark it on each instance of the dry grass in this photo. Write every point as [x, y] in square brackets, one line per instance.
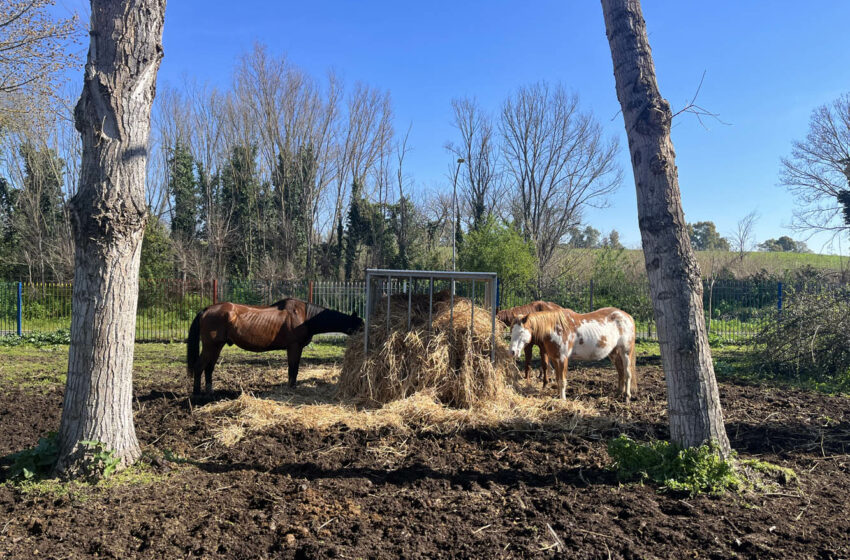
[315, 405]
[451, 359]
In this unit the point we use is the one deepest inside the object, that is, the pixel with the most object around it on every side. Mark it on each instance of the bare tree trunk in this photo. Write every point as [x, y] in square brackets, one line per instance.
[674, 277]
[108, 217]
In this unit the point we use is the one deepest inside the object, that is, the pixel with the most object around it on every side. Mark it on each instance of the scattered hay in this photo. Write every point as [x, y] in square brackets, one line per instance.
[317, 409]
[452, 358]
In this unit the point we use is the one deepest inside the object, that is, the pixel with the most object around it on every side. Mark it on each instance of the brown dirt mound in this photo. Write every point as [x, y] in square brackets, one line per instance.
[452, 357]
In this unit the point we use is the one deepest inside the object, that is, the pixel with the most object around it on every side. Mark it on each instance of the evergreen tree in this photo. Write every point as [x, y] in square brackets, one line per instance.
[157, 257]
[355, 229]
[338, 252]
[183, 187]
[704, 237]
[293, 180]
[240, 194]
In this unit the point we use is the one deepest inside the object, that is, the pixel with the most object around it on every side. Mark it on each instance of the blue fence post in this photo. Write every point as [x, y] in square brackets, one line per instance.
[20, 308]
[779, 298]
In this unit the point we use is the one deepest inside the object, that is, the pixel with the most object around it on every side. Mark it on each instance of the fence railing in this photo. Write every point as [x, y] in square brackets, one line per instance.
[734, 310]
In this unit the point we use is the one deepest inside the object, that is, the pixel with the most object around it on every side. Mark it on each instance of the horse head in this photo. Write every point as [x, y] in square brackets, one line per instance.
[355, 323]
[520, 335]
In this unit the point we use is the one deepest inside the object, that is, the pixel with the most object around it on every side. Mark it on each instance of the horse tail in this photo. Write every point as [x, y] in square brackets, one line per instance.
[193, 344]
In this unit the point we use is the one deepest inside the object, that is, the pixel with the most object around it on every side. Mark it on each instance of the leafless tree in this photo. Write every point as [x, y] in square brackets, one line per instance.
[36, 49]
[558, 162]
[817, 173]
[479, 178]
[108, 217]
[363, 137]
[693, 401]
[743, 238]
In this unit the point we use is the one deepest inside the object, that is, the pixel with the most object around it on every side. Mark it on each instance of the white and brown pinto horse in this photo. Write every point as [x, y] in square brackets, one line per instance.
[509, 316]
[606, 332]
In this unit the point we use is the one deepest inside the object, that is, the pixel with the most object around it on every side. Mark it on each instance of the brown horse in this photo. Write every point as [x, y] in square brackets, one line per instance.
[582, 336]
[287, 325]
[508, 316]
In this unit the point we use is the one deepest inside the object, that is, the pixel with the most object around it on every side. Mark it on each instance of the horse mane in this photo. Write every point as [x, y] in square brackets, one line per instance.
[541, 323]
[310, 309]
[507, 316]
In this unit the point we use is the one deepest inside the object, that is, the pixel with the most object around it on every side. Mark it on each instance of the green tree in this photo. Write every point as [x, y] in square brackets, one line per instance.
[704, 237]
[496, 247]
[157, 260]
[292, 182]
[783, 245]
[588, 238]
[356, 229]
[240, 196]
[612, 240]
[183, 186]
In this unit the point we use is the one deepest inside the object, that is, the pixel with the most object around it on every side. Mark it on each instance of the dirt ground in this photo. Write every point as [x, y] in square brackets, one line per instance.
[387, 493]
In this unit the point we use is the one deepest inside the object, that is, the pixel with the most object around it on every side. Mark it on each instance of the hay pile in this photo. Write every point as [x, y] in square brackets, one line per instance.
[237, 419]
[452, 360]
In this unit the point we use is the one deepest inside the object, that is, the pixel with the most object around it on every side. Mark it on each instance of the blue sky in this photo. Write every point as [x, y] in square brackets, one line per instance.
[767, 66]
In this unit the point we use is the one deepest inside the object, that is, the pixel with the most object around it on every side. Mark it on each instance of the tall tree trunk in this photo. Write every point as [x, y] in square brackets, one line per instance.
[108, 217]
[674, 277]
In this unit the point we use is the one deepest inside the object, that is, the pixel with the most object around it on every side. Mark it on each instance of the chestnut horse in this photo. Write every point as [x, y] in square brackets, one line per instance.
[508, 316]
[582, 336]
[287, 325]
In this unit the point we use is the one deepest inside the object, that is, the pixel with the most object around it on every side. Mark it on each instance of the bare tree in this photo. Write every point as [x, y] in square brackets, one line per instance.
[743, 238]
[478, 148]
[35, 55]
[674, 278]
[817, 173]
[108, 216]
[363, 138]
[559, 164]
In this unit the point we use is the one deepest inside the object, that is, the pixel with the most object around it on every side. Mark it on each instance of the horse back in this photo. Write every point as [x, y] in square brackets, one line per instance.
[252, 327]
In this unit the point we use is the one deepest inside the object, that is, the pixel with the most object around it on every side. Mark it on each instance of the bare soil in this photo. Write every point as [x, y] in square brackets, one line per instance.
[389, 494]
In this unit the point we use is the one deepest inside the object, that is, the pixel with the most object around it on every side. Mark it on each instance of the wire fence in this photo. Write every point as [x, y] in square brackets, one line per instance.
[734, 309]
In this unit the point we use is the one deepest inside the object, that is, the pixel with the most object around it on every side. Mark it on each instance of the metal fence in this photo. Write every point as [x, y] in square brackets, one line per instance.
[734, 310]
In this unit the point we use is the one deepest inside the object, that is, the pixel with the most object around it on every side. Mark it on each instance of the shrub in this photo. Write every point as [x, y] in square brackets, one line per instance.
[36, 461]
[694, 470]
[38, 339]
[496, 247]
[809, 339]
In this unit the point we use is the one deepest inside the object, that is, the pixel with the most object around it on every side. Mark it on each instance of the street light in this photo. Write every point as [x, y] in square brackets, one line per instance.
[454, 218]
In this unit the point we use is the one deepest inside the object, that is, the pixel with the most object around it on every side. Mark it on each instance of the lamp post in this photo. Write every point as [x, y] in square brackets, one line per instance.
[454, 218]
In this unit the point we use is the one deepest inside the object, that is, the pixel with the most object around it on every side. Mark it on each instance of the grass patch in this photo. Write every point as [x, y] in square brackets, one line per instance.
[695, 470]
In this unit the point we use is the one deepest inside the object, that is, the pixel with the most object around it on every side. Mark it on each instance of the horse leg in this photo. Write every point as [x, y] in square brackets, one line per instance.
[617, 359]
[529, 348]
[293, 356]
[544, 364]
[211, 359]
[628, 359]
[622, 361]
[561, 377]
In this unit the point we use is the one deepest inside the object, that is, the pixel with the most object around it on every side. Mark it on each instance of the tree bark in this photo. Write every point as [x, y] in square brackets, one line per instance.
[108, 218]
[674, 276]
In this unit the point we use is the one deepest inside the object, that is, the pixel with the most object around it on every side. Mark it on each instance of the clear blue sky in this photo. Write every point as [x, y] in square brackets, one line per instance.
[767, 65]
